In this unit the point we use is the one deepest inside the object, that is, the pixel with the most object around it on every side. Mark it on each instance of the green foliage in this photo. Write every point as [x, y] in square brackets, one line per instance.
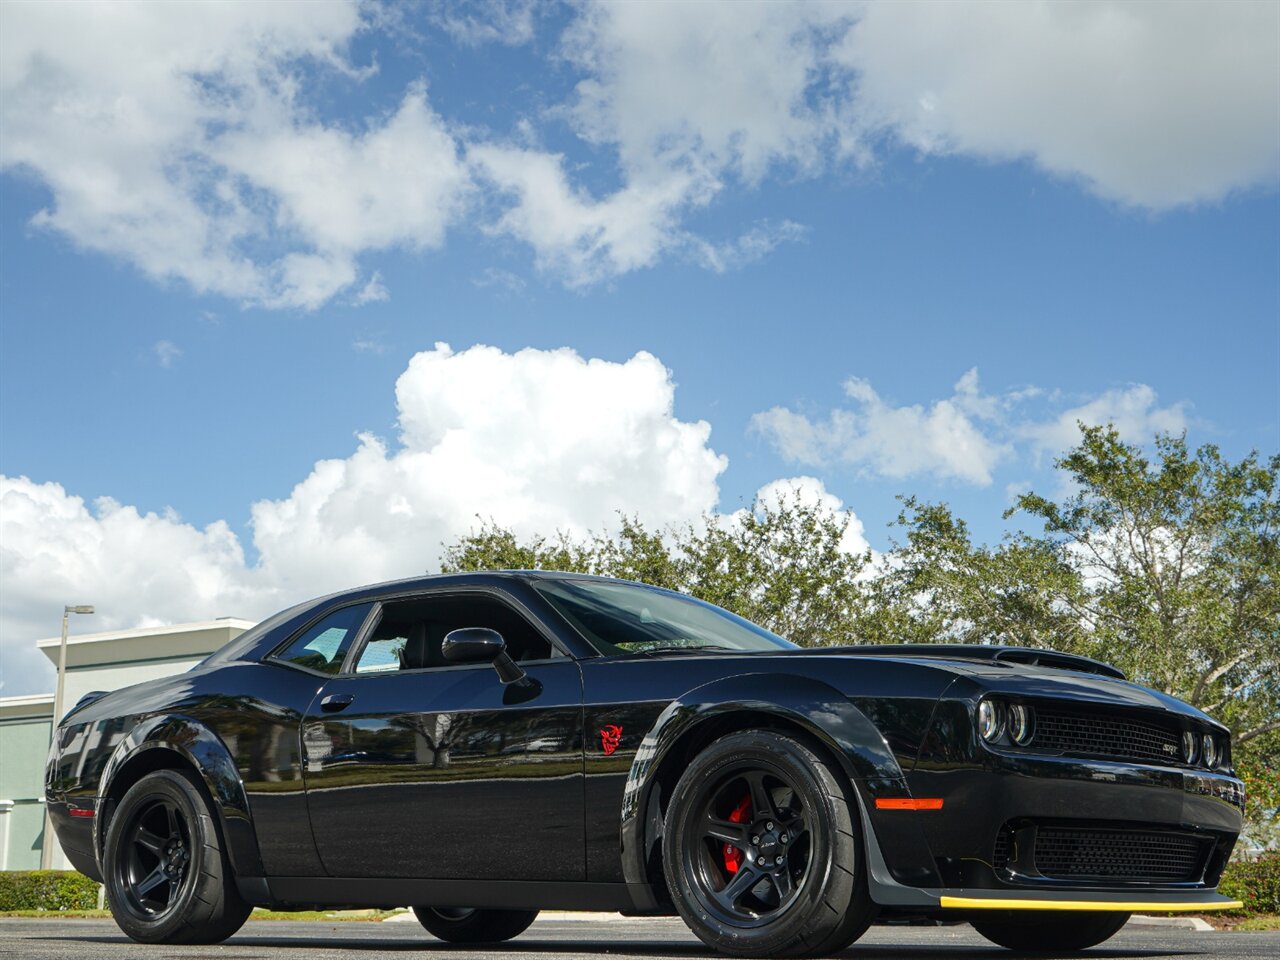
[1255, 882]
[54, 890]
[779, 564]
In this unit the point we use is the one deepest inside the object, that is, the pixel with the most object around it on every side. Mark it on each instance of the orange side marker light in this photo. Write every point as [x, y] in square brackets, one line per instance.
[908, 803]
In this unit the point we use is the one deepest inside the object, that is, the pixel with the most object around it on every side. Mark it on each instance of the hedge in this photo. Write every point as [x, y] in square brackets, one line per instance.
[1256, 882]
[47, 890]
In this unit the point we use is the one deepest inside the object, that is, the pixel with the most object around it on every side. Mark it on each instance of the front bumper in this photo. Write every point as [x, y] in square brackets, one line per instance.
[888, 889]
[959, 857]
[1006, 793]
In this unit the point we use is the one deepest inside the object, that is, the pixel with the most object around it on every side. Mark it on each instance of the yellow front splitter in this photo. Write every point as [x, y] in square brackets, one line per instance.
[1112, 906]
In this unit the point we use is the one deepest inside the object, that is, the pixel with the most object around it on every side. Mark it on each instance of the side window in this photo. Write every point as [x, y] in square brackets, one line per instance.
[323, 645]
[410, 633]
[386, 647]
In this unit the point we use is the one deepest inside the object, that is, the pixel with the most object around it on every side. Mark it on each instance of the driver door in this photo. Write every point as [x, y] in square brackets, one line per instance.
[420, 768]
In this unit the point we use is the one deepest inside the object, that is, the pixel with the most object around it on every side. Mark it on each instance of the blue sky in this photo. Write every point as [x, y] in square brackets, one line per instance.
[571, 177]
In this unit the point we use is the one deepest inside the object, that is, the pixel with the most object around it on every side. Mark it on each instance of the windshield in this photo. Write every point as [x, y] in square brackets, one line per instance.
[631, 618]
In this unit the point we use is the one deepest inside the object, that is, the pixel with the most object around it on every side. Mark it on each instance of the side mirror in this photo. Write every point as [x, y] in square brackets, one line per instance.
[481, 645]
[472, 645]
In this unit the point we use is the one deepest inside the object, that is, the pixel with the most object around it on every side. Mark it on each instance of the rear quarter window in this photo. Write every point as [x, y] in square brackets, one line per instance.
[324, 644]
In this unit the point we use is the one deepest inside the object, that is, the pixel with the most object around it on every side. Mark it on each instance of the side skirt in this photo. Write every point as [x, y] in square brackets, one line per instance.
[491, 894]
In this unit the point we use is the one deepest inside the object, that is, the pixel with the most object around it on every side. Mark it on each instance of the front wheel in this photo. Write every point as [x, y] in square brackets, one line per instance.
[761, 850]
[167, 876]
[1045, 932]
[471, 925]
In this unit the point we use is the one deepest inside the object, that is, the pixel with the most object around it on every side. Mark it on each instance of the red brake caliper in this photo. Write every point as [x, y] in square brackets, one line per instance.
[732, 855]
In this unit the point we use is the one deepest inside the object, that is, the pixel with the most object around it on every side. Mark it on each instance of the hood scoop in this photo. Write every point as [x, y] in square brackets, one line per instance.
[1024, 656]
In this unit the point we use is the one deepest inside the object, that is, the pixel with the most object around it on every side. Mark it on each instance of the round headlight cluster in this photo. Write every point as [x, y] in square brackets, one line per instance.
[995, 719]
[1209, 750]
[1190, 747]
[1022, 724]
[990, 721]
[1204, 749]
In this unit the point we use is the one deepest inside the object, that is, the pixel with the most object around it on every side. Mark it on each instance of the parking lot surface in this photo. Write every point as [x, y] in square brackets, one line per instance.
[563, 939]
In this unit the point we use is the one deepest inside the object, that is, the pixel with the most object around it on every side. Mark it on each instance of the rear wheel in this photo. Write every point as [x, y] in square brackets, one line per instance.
[761, 851]
[167, 877]
[471, 925]
[1049, 932]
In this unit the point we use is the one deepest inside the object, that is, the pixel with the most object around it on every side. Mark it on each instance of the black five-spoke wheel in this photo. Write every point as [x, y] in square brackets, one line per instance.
[755, 850]
[760, 849]
[167, 877]
[154, 864]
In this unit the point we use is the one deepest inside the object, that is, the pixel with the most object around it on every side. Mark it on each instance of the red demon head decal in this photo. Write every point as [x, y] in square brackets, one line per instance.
[610, 737]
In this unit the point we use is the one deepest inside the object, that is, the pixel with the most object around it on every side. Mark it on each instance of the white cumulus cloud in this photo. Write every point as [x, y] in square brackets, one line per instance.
[138, 569]
[188, 140]
[1133, 410]
[943, 439]
[176, 137]
[1154, 105]
[963, 437]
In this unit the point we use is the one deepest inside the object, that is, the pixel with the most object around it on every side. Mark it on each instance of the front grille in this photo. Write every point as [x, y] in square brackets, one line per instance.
[1095, 735]
[1078, 853]
[1000, 854]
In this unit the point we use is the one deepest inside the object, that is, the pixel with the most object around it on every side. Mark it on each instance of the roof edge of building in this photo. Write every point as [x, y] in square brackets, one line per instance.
[196, 626]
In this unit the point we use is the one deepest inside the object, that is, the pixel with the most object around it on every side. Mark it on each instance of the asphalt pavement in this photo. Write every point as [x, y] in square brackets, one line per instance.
[579, 939]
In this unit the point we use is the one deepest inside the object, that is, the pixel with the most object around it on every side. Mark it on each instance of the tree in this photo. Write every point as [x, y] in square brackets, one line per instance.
[938, 586]
[780, 564]
[1178, 570]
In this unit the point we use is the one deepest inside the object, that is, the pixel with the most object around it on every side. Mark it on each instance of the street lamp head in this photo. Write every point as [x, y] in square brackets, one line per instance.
[83, 608]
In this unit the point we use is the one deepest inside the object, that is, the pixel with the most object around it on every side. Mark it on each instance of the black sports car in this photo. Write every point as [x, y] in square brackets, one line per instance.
[483, 746]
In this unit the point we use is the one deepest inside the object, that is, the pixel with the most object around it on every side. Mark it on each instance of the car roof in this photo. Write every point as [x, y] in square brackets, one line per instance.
[466, 577]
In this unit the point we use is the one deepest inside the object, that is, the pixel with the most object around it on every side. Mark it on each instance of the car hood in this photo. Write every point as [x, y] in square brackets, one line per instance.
[986, 674]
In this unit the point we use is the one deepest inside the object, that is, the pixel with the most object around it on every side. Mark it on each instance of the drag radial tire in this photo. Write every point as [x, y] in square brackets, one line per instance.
[166, 874]
[762, 851]
[1043, 931]
[468, 925]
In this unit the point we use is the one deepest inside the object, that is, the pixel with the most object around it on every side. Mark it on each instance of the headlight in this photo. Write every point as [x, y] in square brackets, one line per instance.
[990, 721]
[1190, 746]
[1209, 748]
[1021, 724]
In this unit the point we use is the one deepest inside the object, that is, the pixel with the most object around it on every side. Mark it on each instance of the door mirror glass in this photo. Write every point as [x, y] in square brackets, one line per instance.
[473, 645]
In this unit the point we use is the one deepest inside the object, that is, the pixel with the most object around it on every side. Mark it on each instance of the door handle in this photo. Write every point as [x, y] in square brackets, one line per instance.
[336, 701]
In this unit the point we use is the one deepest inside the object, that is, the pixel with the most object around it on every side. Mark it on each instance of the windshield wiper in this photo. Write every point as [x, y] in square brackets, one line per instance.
[691, 648]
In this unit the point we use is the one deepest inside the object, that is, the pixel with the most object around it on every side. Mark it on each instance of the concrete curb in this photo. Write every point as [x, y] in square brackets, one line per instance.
[1178, 923]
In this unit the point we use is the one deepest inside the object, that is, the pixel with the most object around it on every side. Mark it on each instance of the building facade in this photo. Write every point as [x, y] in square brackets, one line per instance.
[95, 661]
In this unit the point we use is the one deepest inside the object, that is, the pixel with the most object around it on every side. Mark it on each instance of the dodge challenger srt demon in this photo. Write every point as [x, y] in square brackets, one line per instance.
[482, 746]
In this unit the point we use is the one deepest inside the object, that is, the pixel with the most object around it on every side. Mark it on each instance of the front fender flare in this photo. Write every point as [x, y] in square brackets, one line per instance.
[816, 707]
[205, 751]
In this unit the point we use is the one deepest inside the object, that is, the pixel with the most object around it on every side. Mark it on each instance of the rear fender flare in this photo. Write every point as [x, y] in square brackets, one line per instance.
[204, 750]
[819, 709]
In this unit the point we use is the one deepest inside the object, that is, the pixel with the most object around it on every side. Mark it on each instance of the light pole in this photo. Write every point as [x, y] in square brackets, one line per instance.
[46, 846]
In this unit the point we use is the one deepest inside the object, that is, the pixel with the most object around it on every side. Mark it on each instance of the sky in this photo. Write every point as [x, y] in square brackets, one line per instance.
[292, 295]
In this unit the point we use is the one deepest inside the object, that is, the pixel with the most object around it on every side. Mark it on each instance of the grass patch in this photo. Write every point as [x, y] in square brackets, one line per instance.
[57, 914]
[326, 916]
[1264, 922]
